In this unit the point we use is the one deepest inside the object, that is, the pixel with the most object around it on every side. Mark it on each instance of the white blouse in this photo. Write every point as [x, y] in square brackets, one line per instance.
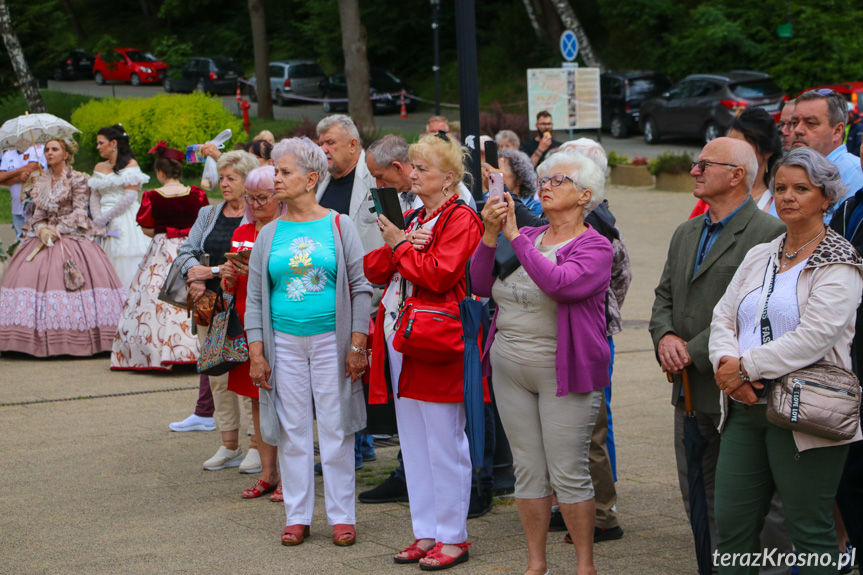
[782, 310]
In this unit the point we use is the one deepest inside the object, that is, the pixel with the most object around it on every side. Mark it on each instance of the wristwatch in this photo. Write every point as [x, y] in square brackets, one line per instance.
[215, 271]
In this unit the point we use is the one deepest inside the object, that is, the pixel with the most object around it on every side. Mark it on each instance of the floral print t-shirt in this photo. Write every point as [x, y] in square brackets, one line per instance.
[302, 271]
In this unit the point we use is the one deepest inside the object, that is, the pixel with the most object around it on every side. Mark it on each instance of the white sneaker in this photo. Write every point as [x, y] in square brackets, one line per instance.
[224, 458]
[252, 462]
[194, 423]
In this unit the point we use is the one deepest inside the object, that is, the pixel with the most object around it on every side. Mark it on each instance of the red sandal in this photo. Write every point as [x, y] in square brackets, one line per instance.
[415, 553]
[261, 488]
[295, 534]
[278, 496]
[445, 561]
[344, 534]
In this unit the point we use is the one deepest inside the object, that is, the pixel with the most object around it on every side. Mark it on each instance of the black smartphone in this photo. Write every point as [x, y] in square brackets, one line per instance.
[387, 204]
[491, 154]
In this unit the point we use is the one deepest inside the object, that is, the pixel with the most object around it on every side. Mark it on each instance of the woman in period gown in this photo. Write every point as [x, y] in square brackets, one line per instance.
[39, 314]
[155, 335]
[114, 202]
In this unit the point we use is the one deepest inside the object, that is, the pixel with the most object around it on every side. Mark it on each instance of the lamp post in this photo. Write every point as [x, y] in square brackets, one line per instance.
[436, 68]
[468, 87]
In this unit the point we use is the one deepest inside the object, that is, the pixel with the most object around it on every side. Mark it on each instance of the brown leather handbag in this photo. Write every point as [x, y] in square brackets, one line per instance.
[204, 308]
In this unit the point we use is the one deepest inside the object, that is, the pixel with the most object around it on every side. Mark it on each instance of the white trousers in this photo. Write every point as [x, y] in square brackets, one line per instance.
[306, 368]
[437, 462]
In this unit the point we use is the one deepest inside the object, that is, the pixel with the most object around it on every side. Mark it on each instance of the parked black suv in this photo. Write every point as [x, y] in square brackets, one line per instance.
[216, 75]
[77, 64]
[622, 94]
[385, 88]
[702, 105]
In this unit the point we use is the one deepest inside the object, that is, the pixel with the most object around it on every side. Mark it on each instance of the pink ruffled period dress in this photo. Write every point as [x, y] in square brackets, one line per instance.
[38, 314]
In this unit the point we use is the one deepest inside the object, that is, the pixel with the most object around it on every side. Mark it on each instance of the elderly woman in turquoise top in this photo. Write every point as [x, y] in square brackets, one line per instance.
[307, 319]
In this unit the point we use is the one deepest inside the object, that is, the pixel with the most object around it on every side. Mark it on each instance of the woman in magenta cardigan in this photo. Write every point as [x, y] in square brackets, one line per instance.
[548, 350]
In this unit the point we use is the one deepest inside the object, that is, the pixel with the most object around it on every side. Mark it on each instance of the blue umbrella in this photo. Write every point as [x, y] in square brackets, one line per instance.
[474, 399]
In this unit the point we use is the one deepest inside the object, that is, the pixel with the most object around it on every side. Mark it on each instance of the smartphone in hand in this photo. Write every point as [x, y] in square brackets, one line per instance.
[495, 185]
[491, 154]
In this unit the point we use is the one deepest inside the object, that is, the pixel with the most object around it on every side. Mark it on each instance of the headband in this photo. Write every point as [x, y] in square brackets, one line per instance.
[162, 149]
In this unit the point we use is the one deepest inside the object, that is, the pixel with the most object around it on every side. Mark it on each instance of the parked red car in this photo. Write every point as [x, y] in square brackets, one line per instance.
[130, 65]
[852, 91]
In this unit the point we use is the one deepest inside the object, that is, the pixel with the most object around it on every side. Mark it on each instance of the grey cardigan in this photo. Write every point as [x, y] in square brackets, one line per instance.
[353, 292]
[194, 245]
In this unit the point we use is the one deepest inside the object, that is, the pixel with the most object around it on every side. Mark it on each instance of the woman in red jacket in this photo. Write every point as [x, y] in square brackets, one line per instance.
[428, 263]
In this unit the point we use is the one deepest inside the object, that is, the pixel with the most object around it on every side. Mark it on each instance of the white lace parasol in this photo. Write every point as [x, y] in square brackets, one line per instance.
[30, 129]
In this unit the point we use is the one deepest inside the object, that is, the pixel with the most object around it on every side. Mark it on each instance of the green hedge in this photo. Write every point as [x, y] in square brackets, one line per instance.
[177, 119]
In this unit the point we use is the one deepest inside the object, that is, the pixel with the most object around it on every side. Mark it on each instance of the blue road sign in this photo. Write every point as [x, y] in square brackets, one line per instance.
[568, 45]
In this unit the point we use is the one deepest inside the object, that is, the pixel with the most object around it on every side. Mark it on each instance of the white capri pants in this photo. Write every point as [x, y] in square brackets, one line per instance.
[549, 435]
[437, 462]
[307, 368]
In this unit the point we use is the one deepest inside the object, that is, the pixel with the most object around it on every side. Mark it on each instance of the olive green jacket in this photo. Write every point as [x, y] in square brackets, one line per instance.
[685, 300]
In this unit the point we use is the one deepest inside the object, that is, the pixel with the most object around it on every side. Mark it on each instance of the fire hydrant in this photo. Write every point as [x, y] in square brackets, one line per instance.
[245, 107]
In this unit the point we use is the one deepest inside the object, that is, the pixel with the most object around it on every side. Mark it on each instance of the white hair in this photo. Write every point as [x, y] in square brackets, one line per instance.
[342, 121]
[508, 136]
[588, 148]
[307, 154]
[584, 171]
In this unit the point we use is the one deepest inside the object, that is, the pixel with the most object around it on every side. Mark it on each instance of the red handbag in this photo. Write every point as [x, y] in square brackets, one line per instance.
[431, 332]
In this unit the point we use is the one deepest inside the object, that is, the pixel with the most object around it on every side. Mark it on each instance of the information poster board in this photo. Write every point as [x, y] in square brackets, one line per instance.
[570, 95]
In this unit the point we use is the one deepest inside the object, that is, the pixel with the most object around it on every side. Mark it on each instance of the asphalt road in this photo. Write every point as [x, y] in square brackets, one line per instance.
[414, 123]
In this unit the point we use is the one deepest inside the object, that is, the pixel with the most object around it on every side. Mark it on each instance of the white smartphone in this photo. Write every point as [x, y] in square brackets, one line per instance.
[495, 185]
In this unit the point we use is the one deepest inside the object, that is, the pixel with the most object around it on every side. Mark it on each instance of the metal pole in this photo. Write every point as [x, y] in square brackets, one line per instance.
[465, 27]
[436, 67]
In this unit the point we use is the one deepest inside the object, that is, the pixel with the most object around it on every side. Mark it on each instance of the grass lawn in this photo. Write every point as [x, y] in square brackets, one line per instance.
[5, 206]
[60, 104]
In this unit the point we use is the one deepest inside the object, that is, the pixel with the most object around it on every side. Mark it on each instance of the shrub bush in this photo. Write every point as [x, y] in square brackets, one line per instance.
[492, 123]
[668, 163]
[615, 159]
[177, 119]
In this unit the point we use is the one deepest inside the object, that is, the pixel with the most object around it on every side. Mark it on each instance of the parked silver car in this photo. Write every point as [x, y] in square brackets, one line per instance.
[291, 77]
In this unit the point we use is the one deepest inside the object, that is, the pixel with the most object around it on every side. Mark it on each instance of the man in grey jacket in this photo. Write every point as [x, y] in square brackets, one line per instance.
[346, 190]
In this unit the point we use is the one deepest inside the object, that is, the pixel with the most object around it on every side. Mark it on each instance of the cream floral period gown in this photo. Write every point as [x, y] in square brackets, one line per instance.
[152, 334]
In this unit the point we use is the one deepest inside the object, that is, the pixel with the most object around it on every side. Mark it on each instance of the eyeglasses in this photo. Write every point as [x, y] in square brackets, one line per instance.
[824, 91]
[262, 201]
[702, 165]
[556, 180]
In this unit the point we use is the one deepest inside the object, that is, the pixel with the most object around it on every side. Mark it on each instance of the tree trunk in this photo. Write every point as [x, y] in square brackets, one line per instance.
[551, 26]
[25, 79]
[149, 13]
[262, 59]
[356, 66]
[567, 16]
[73, 19]
[531, 15]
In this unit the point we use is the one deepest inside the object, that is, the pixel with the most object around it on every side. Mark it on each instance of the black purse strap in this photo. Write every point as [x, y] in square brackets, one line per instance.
[766, 328]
